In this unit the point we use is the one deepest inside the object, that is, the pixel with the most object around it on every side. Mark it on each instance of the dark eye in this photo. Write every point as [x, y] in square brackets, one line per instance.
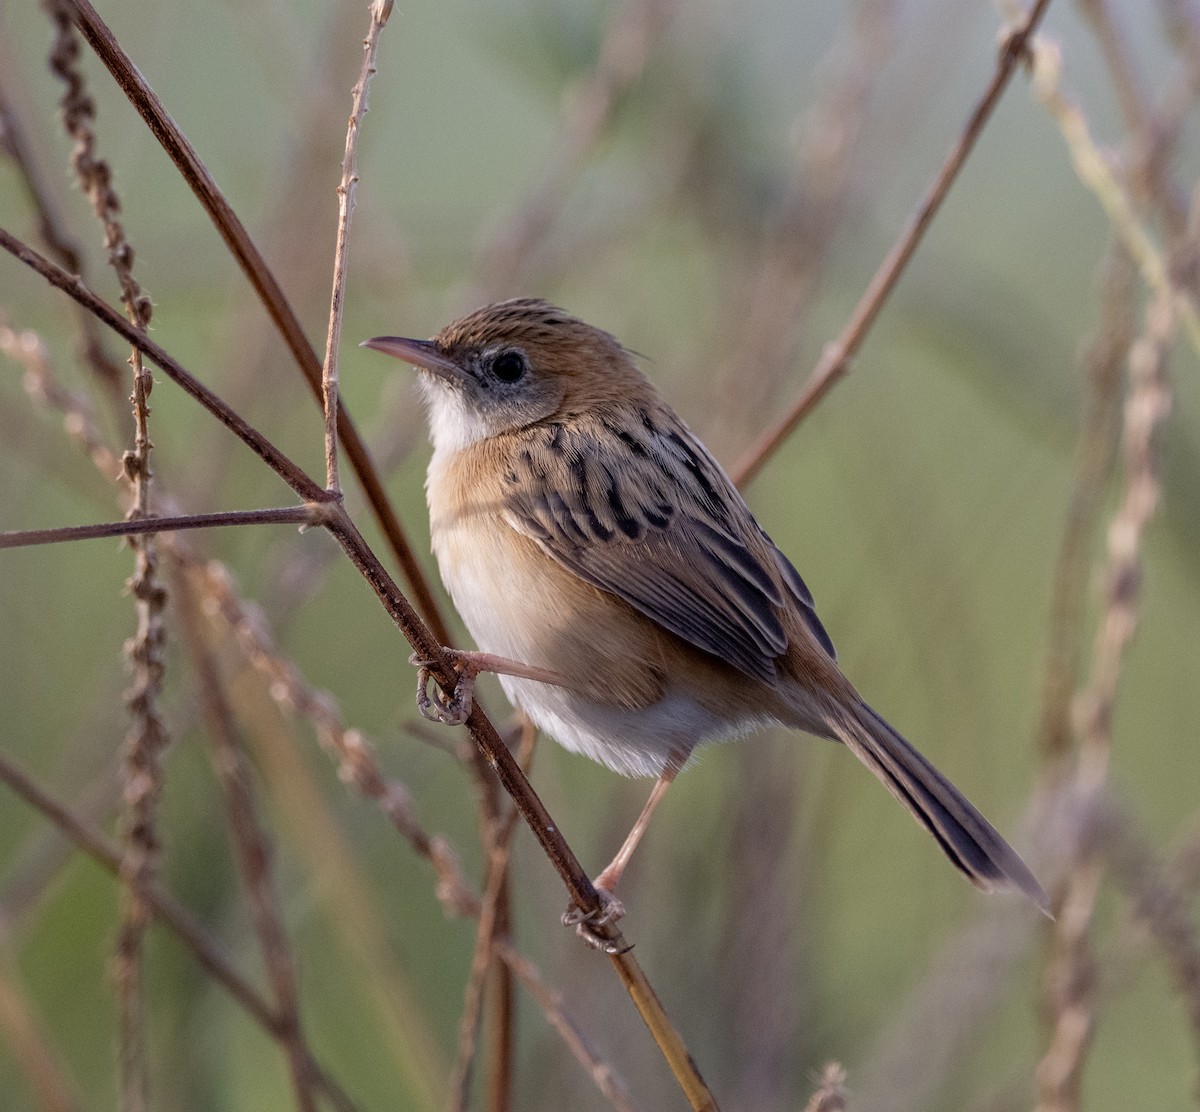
[509, 366]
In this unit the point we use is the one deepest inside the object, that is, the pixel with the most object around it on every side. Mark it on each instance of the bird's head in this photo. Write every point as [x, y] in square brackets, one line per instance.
[510, 365]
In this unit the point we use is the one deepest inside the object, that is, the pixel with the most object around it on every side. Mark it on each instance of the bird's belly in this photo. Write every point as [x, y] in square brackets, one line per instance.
[643, 742]
[622, 709]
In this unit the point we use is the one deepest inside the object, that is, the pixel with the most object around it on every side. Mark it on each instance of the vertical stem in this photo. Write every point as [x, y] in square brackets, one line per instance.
[346, 190]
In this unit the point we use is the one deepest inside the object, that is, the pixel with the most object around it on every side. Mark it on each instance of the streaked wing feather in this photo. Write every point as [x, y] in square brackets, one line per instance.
[696, 562]
[802, 596]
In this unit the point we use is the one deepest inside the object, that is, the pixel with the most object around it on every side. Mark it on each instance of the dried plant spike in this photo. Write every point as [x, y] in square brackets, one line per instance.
[831, 1092]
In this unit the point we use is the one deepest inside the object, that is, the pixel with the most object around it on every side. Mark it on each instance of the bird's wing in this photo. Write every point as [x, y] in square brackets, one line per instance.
[641, 510]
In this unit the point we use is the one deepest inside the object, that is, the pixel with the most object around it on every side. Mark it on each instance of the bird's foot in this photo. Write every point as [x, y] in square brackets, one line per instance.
[448, 709]
[585, 922]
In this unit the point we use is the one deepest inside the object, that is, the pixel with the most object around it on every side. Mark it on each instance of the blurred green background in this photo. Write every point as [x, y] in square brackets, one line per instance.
[787, 911]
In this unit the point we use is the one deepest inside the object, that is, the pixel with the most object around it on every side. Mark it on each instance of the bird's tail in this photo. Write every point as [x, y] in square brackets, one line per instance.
[965, 836]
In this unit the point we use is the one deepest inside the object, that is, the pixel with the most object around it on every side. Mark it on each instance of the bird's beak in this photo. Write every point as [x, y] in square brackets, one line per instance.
[420, 353]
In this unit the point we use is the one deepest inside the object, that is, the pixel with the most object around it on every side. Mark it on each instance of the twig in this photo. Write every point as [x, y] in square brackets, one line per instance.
[253, 849]
[147, 738]
[632, 33]
[550, 1002]
[242, 248]
[835, 360]
[29, 1048]
[308, 514]
[1094, 171]
[1104, 362]
[290, 472]
[1070, 974]
[358, 765]
[831, 1093]
[55, 237]
[1159, 903]
[798, 238]
[472, 1010]
[206, 950]
[380, 10]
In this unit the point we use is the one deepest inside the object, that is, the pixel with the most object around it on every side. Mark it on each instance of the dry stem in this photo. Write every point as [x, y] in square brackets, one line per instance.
[835, 360]
[380, 10]
[1070, 975]
[309, 514]
[253, 849]
[207, 950]
[248, 257]
[148, 737]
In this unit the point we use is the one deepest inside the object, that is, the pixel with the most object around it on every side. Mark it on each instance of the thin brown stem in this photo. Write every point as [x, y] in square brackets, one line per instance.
[550, 1001]
[27, 1044]
[309, 514]
[58, 242]
[71, 285]
[269, 292]
[253, 849]
[190, 931]
[427, 647]
[836, 358]
[147, 738]
[1071, 972]
[633, 32]
[1104, 363]
[346, 190]
[472, 1010]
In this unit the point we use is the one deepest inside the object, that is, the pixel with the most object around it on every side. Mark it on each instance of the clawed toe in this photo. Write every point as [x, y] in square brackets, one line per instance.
[449, 710]
[585, 922]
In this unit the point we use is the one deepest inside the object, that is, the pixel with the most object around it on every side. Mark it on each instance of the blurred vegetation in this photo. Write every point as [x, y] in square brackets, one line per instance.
[786, 910]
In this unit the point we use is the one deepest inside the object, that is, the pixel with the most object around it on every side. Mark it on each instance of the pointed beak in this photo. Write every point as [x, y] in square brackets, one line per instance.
[420, 353]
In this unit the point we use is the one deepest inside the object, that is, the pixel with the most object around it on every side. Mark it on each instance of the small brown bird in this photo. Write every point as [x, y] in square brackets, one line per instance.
[609, 570]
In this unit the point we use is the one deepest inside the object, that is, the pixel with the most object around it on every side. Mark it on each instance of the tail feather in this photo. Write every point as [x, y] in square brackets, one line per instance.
[965, 836]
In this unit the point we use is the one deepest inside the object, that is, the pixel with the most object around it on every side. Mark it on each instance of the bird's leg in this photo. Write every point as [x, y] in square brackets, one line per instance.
[605, 884]
[453, 710]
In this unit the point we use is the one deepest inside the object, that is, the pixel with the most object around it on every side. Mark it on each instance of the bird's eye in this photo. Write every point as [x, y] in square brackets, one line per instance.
[509, 366]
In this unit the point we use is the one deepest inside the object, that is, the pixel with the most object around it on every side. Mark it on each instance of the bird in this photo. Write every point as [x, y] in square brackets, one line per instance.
[613, 576]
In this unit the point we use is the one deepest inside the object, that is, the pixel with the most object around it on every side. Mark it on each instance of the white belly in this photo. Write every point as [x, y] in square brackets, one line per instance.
[506, 604]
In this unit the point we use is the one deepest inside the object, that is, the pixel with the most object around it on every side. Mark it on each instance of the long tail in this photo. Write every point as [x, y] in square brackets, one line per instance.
[965, 836]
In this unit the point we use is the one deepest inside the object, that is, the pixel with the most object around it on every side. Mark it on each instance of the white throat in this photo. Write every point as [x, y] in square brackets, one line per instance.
[453, 424]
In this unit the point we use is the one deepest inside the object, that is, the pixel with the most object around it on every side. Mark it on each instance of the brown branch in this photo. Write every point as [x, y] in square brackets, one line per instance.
[483, 733]
[472, 1010]
[28, 1046]
[835, 360]
[166, 908]
[53, 234]
[358, 765]
[309, 514]
[253, 850]
[71, 285]
[269, 292]
[550, 1001]
[147, 738]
